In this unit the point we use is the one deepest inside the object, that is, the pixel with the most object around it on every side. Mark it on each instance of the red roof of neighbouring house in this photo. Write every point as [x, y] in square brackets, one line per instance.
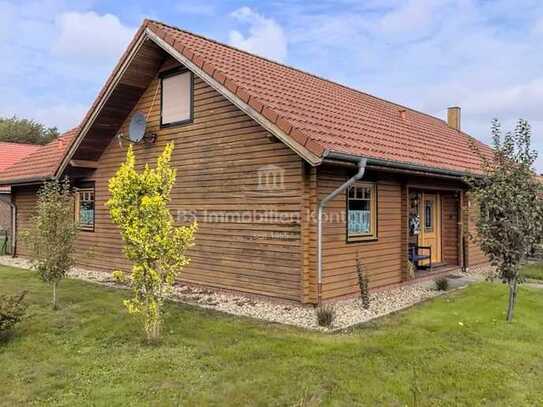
[324, 115]
[41, 163]
[10, 153]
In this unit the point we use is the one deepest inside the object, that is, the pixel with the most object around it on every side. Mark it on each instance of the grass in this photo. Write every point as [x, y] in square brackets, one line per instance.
[533, 271]
[455, 350]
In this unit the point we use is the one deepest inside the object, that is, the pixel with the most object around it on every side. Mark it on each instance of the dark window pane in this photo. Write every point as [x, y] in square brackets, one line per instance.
[428, 215]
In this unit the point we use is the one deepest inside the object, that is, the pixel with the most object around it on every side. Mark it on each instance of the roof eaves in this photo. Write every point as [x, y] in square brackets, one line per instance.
[25, 181]
[400, 165]
[266, 116]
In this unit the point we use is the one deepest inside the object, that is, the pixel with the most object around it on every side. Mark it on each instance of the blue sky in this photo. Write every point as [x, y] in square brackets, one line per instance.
[427, 54]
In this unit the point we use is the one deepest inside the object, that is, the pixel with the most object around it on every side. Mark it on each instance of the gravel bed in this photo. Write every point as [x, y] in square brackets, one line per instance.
[347, 312]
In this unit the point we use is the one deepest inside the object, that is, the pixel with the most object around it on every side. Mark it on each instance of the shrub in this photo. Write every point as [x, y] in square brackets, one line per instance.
[362, 283]
[12, 310]
[154, 244]
[325, 315]
[442, 284]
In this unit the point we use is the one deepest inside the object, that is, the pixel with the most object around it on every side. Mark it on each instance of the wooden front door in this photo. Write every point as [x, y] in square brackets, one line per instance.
[430, 228]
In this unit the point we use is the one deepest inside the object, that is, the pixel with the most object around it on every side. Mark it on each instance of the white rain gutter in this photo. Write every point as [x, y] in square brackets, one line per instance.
[361, 163]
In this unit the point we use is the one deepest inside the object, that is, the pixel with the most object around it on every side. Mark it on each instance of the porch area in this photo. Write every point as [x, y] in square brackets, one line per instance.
[435, 232]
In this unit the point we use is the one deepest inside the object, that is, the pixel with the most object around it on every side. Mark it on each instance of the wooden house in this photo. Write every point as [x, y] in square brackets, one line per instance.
[291, 177]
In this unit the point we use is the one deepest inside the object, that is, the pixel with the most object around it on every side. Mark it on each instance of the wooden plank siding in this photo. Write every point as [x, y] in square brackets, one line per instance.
[450, 246]
[240, 244]
[218, 157]
[253, 239]
[381, 258]
[475, 254]
[25, 199]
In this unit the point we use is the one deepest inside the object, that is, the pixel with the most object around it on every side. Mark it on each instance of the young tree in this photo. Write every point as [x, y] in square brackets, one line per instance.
[154, 244]
[52, 233]
[509, 197]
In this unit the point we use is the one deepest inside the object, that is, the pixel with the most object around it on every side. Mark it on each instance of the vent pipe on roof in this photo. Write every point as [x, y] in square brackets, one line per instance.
[403, 114]
[453, 117]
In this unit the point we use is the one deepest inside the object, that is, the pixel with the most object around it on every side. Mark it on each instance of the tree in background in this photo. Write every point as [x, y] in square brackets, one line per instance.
[52, 234]
[510, 204]
[29, 131]
[153, 243]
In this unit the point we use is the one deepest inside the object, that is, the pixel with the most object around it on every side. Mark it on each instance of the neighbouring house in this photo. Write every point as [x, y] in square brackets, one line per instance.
[263, 151]
[10, 153]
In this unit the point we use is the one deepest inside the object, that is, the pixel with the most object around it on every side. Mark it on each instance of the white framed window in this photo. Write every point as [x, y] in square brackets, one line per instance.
[176, 100]
[362, 212]
[85, 206]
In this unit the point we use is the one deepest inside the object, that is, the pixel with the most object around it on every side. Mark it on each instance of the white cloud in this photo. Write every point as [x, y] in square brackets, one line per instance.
[266, 37]
[412, 16]
[88, 36]
[56, 59]
[54, 113]
[63, 115]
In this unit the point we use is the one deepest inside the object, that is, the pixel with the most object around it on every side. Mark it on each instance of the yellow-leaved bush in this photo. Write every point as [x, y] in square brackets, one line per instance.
[154, 244]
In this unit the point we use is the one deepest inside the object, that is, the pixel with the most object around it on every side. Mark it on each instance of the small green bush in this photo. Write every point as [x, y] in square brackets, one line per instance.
[325, 315]
[363, 283]
[12, 311]
[442, 284]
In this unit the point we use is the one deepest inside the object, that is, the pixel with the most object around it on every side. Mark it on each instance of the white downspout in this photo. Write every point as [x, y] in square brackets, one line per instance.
[361, 162]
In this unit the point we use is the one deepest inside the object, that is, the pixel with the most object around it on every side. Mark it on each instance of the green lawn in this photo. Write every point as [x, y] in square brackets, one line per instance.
[456, 350]
[533, 271]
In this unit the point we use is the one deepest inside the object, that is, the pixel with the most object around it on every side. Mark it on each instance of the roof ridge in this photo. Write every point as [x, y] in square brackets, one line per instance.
[350, 88]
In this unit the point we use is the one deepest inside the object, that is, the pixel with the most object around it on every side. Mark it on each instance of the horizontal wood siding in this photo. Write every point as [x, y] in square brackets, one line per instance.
[25, 198]
[381, 258]
[449, 203]
[475, 255]
[218, 157]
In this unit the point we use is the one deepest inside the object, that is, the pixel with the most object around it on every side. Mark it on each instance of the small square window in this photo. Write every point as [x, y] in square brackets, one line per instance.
[176, 102]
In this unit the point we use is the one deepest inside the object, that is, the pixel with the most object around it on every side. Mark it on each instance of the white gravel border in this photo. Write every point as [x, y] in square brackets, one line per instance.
[347, 312]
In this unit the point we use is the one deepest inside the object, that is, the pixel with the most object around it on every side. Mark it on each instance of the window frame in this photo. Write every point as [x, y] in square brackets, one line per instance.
[168, 74]
[77, 208]
[374, 227]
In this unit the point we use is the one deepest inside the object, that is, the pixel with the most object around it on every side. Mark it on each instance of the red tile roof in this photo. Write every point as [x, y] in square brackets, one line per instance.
[316, 113]
[40, 164]
[323, 115]
[10, 153]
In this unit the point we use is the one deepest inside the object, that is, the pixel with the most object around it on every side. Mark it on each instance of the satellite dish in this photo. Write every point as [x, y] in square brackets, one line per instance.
[136, 128]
